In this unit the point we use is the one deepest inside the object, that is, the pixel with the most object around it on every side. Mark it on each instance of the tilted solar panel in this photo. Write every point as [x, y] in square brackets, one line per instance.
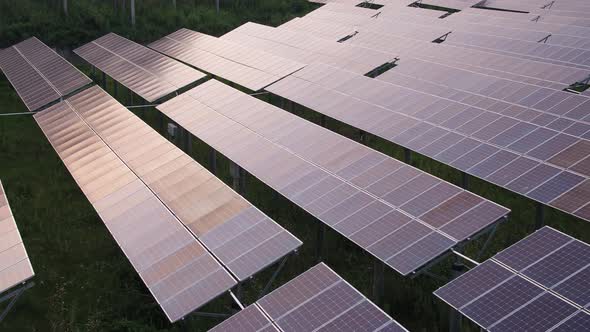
[548, 166]
[505, 66]
[317, 300]
[15, 265]
[561, 55]
[142, 70]
[398, 213]
[492, 21]
[308, 48]
[38, 74]
[243, 65]
[537, 284]
[243, 238]
[179, 272]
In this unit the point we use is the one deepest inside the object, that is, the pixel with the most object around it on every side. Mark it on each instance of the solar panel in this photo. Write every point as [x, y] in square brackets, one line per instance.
[317, 300]
[530, 285]
[499, 65]
[561, 55]
[545, 17]
[481, 143]
[493, 21]
[38, 74]
[398, 213]
[243, 238]
[243, 65]
[308, 48]
[145, 72]
[178, 271]
[453, 4]
[15, 266]
[250, 319]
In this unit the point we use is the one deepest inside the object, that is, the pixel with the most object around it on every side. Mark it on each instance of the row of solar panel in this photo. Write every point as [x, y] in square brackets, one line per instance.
[15, 265]
[317, 300]
[540, 283]
[401, 215]
[193, 234]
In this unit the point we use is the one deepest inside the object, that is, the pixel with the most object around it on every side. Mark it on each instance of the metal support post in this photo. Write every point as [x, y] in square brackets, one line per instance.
[217, 6]
[13, 297]
[487, 243]
[133, 13]
[454, 315]
[465, 180]
[378, 281]
[104, 81]
[235, 173]
[189, 142]
[362, 137]
[213, 161]
[407, 156]
[320, 241]
[539, 215]
[273, 277]
[65, 7]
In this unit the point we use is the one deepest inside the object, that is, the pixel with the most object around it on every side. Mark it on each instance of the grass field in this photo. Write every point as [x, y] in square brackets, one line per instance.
[85, 283]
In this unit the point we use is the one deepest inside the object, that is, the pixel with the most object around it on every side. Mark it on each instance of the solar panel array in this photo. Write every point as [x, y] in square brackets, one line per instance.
[308, 48]
[38, 74]
[243, 65]
[317, 300]
[15, 266]
[538, 284]
[398, 213]
[142, 70]
[239, 235]
[159, 246]
[193, 236]
[541, 163]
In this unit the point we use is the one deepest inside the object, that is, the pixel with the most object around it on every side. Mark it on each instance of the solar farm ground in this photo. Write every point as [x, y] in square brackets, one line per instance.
[84, 282]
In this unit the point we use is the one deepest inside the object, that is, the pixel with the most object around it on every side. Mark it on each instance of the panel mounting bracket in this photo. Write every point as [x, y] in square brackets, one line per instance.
[13, 296]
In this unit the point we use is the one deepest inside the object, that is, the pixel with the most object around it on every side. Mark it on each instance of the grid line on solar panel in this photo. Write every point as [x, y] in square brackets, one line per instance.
[307, 48]
[205, 205]
[38, 74]
[554, 103]
[332, 195]
[317, 300]
[536, 183]
[15, 265]
[238, 63]
[499, 65]
[503, 303]
[144, 71]
[178, 271]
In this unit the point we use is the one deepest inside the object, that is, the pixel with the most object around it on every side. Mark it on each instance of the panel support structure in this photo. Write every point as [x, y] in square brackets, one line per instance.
[133, 13]
[13, 296]
[323, 121]
[320, 241]
[464, 180]
[454, 315]
[213, 161]
[378, 281]
[539, 215]
[407, 156]
[273, 277]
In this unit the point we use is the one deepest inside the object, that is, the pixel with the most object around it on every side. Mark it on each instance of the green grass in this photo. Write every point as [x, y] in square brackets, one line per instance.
[84, 282]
